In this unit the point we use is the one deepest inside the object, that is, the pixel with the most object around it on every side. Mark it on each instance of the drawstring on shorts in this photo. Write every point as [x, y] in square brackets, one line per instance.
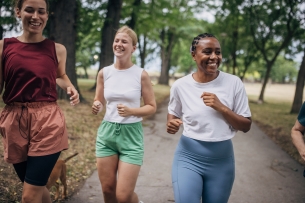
[117, 130]
[20, 130]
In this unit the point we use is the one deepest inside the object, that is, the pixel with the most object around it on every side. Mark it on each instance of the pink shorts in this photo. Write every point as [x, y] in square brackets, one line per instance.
[32, 129]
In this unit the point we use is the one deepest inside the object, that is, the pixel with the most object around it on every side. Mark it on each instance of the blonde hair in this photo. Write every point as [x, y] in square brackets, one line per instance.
[130, 33]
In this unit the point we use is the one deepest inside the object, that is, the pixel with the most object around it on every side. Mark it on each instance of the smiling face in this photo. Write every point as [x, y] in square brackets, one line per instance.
[123, 45]
[34, 16]
[208, 55]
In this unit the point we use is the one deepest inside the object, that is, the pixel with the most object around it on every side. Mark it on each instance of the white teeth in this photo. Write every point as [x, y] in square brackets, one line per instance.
[35, 24]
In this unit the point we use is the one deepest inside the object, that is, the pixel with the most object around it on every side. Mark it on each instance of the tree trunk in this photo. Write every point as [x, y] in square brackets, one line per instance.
[142, 50]
[234, 44]
[134, 15]
[63, 30]
[261, 96]
[109, 29]
[166, 52]
[298, 96]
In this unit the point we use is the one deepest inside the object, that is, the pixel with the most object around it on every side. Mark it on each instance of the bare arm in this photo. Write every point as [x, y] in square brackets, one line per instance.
[1, 69]
[238, 122]
[173, 123]
[148, 95]
[62, 79]
[297, 132]
[99, 100]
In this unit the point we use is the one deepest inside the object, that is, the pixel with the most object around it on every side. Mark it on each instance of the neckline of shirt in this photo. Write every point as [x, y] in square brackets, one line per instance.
[206, 83]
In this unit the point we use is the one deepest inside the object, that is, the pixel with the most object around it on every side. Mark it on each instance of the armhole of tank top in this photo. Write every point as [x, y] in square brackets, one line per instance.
[54, 51]
[105, 73]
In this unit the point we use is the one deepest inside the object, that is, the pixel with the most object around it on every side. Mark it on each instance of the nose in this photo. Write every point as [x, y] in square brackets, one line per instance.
[35, 14]
[213, 55]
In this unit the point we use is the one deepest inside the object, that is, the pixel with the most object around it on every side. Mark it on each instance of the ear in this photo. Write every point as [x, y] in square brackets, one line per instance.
[193, 55]
[134, 48]
[17, 13]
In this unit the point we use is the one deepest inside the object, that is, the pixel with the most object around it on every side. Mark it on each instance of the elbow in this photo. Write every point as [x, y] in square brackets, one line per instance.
[247, 126]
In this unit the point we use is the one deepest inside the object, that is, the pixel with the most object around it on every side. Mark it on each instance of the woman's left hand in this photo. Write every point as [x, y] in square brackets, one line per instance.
[74, 96]
[123, 110]
[212, 101]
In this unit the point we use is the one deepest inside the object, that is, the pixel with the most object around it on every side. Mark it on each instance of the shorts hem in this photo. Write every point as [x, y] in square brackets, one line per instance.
[132, 162]
[46, 153]
[104, 155]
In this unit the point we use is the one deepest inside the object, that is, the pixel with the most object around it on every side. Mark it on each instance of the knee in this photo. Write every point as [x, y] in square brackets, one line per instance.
[27, 198]
[123, 198]
[108, 189]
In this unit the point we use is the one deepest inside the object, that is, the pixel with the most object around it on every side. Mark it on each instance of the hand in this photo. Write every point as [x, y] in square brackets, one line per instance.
[173, 125]
[74, 99]
[123, 110]
[97, 107]
[212, 101]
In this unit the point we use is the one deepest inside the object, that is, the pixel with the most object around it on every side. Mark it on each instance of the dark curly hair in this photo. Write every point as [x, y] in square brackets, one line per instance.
[18, 4]
[199, 37]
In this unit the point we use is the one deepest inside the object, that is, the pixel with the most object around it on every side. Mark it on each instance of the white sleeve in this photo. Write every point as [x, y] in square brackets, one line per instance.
[241, 105]
[174, 105]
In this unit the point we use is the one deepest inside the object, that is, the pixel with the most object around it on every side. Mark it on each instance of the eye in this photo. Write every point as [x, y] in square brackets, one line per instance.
[29, 10]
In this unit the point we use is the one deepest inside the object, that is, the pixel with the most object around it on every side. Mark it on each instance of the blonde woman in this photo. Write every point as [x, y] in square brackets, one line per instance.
[119, 142]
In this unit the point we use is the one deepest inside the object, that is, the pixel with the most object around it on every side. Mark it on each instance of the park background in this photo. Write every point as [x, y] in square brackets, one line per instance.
[263, 43]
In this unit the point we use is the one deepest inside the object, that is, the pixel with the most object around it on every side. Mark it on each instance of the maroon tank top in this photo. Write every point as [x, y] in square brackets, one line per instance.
[29, 71]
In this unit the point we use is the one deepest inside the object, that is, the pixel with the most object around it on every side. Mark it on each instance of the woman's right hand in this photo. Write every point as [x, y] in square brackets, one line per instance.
[97, 107]
[173, 125]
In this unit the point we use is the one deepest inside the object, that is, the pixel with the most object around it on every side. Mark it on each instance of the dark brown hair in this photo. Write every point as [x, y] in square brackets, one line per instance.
[18, 4]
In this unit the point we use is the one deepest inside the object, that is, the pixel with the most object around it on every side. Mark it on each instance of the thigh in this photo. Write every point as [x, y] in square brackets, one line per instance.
[107, 170]
[218, 181]
[127, 178]
[186, 180]
[39, 169]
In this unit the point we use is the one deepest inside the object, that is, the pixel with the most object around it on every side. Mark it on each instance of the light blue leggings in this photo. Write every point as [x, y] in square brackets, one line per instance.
[203, 171]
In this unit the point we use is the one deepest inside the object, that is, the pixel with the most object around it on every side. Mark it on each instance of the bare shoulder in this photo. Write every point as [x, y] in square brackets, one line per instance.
[145, 75]
[100, 73]
[60, 49]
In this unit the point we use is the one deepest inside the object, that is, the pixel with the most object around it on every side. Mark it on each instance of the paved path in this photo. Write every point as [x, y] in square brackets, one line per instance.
[264, 172]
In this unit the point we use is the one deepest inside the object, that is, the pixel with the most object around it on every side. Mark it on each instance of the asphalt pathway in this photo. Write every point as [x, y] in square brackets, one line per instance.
[264, 172]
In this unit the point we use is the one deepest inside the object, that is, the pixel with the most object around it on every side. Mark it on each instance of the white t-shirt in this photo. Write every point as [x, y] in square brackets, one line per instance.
[122, 87]
[202, 122]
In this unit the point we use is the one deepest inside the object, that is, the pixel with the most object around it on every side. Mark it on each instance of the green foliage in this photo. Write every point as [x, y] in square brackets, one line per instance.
[7, 18]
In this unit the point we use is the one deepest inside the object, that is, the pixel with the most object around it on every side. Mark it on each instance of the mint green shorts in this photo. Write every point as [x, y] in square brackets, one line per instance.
[125, 140]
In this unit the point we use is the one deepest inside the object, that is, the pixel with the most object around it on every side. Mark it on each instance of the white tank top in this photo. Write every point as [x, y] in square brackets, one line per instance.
[122, 87]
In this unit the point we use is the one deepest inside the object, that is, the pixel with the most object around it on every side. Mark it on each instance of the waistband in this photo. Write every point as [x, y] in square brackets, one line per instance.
[31, 104]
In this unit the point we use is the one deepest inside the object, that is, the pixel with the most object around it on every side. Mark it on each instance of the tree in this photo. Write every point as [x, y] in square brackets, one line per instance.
[298, 96]
[7, 20]
[273, 25]
[111, 25]
[63, 15]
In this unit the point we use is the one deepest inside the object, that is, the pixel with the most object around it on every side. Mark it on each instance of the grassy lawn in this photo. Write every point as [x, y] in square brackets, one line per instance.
[82, 126]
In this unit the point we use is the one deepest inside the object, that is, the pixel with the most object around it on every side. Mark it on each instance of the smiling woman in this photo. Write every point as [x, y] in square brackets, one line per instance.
[119, 142]
[211, 105]
[32, 124]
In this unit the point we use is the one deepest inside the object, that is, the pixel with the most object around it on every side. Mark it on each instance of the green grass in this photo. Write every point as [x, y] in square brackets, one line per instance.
[274, 118]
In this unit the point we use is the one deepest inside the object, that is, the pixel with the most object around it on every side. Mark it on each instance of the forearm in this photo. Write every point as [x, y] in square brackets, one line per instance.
[238, 122]
[145, 110]
[298, 141]
[64, 82]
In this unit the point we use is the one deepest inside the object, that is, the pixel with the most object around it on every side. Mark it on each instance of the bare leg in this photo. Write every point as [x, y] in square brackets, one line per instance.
[107, 170]
[46, 196]
[35, 194]
[127, 179]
